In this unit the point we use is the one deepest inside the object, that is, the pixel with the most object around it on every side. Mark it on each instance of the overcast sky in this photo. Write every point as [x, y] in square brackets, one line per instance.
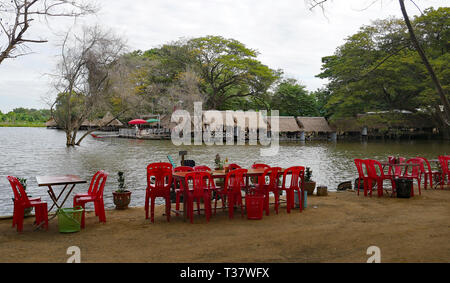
[287, 35]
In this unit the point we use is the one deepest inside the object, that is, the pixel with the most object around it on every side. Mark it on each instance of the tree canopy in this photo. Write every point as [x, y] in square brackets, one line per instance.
[223, 72]
[292, 99]
[378, 69]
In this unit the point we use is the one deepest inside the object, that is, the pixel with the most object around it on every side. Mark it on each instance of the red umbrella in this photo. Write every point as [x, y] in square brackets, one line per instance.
[137, 122]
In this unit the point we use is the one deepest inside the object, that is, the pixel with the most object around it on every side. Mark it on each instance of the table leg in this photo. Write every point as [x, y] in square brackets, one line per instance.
[185, 196]
[54, 197]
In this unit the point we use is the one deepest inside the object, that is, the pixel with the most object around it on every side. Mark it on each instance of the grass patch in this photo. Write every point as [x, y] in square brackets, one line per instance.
[23, 125]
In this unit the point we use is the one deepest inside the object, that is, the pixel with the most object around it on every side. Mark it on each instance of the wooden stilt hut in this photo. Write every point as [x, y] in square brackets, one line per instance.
[315, 128]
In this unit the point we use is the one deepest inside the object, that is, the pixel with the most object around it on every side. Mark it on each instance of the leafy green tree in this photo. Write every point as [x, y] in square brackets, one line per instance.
[229, 70]
[224, 73]
[378, 69]
[292, 99]
[322, 96]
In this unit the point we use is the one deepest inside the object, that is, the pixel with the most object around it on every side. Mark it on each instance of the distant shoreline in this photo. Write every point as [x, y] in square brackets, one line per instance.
[22, 125]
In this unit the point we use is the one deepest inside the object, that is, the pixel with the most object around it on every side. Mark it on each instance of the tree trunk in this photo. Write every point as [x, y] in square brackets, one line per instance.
[69, 139]
[445, 117]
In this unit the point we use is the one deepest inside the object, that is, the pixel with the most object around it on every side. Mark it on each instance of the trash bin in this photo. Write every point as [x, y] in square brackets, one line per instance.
[255, 206]
[305, 200]
[69, 219]
[403, 187]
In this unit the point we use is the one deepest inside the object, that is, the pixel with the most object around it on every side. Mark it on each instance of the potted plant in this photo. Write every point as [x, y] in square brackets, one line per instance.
[310, 185]
[122, 196]
[219, 166]
[218, 163]
[23, 182]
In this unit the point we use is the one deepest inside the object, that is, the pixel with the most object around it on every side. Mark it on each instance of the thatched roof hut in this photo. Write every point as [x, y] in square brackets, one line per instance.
[166, 122]
[287, 124]
[249, 120]
[346, 125]
[314, 124]
[51, 123]
[108, 117]
[91, 124]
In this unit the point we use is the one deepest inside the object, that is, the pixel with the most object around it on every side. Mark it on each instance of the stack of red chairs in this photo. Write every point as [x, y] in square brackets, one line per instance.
[444, 161]
[415, 173]
[372, 166]
[360, 164]
[429, 173]
[159, 183]
[21, 201]
[395, 171]
[260, 179]
[202, 185]
[234, 182]
[179, 185]
[95, 195]
[297, 174]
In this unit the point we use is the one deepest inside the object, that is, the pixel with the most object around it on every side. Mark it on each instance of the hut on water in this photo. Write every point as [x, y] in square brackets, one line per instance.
[113, 125]
[237, 122]
[385, 124]
[51, 124]
[315, 128]
[347, 128]
[288, 128]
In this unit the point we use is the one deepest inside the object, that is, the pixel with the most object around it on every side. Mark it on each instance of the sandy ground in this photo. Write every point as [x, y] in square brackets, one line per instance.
[336, 228]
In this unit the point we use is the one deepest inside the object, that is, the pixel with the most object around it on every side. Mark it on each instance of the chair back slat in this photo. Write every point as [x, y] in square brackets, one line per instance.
[19, 192]
[159, 178]
[200, 181]
[183, 169]
[234, 180]
[297, 174]
[202, 168]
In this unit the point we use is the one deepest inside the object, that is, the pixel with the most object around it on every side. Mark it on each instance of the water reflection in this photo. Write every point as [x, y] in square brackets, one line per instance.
[28, 152]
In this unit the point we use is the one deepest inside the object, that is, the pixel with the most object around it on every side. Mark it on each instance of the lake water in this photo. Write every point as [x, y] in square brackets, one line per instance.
[30, 152]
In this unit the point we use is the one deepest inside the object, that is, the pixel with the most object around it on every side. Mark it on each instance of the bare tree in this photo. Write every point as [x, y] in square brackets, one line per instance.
[83, 79]
[444, 118]
[16, 17]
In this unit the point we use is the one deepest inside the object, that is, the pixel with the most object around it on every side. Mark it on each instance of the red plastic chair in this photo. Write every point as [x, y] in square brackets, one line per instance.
[260, 166]
[360, 164]
[233, 166]
[21, 201]
[296, 185]
[179, 185]
[429, 173]
[202, 168]
[202, 185]
[259, 179]
[415, 173]
[379, 179]
[444, 161]
[234, 182]
[95, 195]
[90, 191]
[395, 171]
[265, 188]
[159, 182]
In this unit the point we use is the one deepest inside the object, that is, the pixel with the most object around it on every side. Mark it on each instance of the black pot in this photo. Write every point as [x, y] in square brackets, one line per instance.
[403, 187]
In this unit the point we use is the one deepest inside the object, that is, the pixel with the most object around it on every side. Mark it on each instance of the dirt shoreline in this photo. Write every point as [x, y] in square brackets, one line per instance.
[336, 228]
